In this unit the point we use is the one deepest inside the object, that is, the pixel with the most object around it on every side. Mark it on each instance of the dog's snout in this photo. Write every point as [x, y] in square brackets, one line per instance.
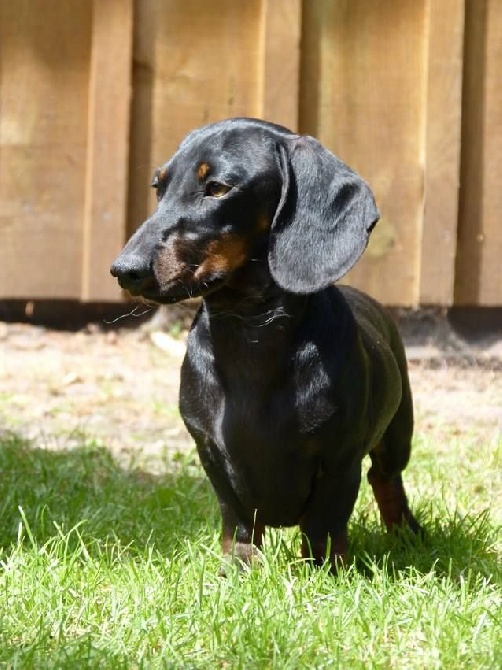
[131, 273]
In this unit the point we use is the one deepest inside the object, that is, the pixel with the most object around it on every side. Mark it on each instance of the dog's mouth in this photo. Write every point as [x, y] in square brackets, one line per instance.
[177, 291]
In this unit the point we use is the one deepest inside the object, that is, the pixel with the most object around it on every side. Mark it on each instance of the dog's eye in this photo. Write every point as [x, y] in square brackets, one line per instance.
[156, 185]
[158, 192]
[216, 189]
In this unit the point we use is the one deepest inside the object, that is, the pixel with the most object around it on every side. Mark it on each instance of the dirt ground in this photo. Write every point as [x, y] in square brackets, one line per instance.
[121, 386]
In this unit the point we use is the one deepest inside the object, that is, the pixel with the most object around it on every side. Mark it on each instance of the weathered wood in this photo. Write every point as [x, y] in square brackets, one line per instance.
[107, 146]
[378, 82]
[44, 61]
[441, 151]
[478, 274]
[280, 36]
[195, 64]
[363, 77]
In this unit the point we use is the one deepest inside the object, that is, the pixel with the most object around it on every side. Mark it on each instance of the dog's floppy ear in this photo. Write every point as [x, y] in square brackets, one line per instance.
[324, 218]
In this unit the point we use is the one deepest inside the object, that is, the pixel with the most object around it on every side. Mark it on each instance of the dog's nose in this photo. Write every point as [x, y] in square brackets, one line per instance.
[131, 273]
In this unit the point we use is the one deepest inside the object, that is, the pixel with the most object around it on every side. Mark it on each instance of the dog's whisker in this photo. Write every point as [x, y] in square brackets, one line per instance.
[132, 313]
[252, 321]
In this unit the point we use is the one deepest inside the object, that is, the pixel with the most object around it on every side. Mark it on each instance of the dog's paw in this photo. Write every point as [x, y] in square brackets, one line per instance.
[242, 557]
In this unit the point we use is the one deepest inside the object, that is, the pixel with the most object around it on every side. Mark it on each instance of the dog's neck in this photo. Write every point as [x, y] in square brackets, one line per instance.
[253, 318]
[245, 311]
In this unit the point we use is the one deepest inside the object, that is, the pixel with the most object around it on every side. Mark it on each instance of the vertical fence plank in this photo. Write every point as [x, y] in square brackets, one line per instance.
[363, 77]
[107, 155]
[441, 151]
[478, 274]
[44, 71]
[281, 29]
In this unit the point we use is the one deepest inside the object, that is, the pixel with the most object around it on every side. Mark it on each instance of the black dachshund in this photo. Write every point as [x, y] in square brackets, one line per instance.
[288, 382]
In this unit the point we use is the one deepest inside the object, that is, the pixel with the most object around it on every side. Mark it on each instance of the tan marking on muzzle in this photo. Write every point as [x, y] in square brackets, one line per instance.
[222, 256]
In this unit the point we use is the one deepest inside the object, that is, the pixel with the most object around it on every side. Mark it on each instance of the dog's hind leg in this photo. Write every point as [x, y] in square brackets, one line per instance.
[389, 458]
[392, 501]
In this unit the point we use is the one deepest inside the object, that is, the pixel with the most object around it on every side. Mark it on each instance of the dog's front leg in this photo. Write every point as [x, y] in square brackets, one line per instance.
[324, 523]
[240, 538]
[241, 532]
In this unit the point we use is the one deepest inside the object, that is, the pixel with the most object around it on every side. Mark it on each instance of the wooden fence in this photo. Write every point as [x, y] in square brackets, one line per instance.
[95, 93]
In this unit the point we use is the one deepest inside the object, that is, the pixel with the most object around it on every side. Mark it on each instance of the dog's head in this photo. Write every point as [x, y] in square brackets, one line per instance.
[237, 186]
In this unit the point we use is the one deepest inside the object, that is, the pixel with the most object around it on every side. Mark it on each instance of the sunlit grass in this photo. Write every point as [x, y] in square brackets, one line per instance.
[106, 564]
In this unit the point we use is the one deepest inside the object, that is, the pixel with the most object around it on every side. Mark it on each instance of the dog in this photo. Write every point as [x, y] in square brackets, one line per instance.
[288, 381]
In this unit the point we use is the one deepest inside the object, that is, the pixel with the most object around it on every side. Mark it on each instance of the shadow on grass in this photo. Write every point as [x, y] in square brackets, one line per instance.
[44, 492]
[77, 653]
[453, 546]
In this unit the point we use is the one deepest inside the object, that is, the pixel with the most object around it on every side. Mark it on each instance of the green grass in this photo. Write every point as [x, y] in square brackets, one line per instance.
[109, 564]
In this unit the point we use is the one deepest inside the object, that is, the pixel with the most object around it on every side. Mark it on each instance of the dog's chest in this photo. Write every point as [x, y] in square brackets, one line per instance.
[265, 440]
[257, 451]
[246, 418]
[247, 402]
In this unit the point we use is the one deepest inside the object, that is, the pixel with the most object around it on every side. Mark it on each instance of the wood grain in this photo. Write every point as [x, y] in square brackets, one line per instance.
[107, 147]
[441, 151]
[196, 62]
[280, 35]
[378, 82]
[44, 61]
[478, 274]
[363, 79]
